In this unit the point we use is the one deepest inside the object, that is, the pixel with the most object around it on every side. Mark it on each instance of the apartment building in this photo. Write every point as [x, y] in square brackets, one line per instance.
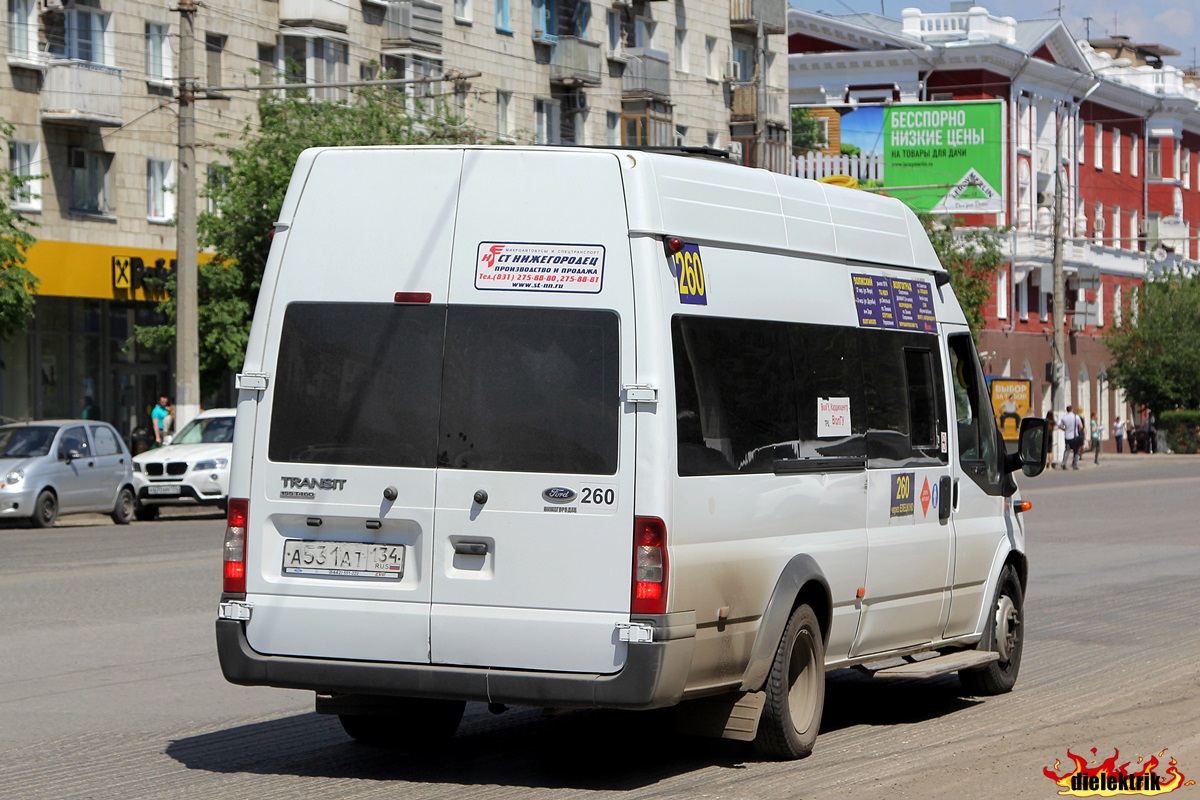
[90, 89]
[1121, 127]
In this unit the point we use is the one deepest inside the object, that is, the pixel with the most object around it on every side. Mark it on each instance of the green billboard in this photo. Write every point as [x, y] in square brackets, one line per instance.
[945, 157]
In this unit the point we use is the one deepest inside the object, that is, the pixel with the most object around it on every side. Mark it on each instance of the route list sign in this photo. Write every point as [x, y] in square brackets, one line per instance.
[894, 303]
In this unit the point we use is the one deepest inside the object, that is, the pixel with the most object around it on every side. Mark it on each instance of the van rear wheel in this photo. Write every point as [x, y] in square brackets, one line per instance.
[417, 723]
[795, 691]
[1003, 633]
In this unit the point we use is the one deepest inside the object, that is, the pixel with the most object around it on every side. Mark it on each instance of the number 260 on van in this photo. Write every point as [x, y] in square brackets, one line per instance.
[690, 274]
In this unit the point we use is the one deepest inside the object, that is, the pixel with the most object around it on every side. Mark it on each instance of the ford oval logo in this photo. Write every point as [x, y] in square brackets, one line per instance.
[559, 494]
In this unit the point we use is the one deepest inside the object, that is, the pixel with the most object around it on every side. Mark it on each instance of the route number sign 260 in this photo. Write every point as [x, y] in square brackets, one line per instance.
[689, 271]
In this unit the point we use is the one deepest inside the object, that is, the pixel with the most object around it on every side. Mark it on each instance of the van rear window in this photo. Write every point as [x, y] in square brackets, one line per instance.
[469, 387]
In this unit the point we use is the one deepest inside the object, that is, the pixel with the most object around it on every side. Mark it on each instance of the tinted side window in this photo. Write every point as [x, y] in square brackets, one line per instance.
[358, 383]
[735, 393]
[531, 390]
[903, 382]
[828, 378]
[105, 441]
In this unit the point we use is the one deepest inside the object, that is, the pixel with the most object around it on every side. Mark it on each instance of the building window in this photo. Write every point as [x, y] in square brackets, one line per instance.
[1099, 303]
[1116, 150]
[1098, 146]
[681, 49]
[25, 193]
[646, 124]
[1098, 224]
[545, 121]
[1186, 174]
[463, 11]
[23, 28]
[1175, 157]
[545, 21]
[423, 69]
[1154, 158]
[1133, 154]
[89, 180]
[612, 128]
[1024, 124]
[712, 68]
[504, 121]
[1115, 234]
[316, 60]
[643, 32]
[502, 16]
[82, 33]
[1117, 304]
[1023, 292]
[713, 139]
[214, 53]
[217, 180]
[1134, 231]
[744, 57]
[160, 190]
[1002, 294]
[159, 58]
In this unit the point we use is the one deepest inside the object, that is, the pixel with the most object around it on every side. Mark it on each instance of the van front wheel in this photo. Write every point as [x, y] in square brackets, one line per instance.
[416, 723]
[795, 691]
[1004, 633]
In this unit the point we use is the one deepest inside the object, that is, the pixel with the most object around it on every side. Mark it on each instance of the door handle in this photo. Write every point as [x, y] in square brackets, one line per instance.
[470, 548]
[945, 500]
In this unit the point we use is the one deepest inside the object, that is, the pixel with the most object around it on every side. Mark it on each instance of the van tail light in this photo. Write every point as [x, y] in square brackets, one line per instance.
[235, 546]
[649, 566]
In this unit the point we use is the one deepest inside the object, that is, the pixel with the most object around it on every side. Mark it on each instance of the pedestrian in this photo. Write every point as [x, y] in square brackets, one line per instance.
[89, 410]
[157, 415]
[1072, 428]
[1119, 433]
[1151, 433]
[1054, 453]
[1094, 430]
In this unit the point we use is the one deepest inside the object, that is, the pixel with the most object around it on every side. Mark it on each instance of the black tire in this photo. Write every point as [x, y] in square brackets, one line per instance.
[795, 691]
[45, 510]
[1005, 634]
[122, 513]
[421, 723]
[145, 513]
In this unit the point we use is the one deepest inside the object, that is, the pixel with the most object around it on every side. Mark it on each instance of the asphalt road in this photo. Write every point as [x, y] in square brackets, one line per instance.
[110, 688]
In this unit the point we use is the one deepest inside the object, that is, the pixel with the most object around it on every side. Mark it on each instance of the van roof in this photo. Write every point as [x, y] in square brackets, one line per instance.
[704, 200]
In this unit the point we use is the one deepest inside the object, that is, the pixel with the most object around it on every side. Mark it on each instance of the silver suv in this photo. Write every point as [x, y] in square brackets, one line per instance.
[53, 467]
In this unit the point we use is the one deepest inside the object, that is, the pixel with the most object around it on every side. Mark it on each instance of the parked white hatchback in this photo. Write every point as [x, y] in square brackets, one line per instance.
[192, 470]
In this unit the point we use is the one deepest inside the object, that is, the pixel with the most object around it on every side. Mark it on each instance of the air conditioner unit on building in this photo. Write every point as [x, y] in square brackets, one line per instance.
[575, 101]
[53, 5]
[735, 151]
[733, 71]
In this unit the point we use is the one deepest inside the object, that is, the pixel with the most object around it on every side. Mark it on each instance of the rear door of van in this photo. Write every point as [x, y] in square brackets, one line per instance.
[340, 528]
[532, 546]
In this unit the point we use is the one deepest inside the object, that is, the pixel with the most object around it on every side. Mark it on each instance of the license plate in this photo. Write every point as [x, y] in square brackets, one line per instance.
[343, 559]
[169, 490]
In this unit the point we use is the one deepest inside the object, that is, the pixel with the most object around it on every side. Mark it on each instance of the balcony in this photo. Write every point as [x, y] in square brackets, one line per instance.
[413, 23]
[647, 74]
[322, 13]
[745, 104]
[745, 14]
[81, 93]
[575, 62]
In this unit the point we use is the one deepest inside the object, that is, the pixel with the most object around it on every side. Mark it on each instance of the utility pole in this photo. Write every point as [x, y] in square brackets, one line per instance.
[760, 99]
[1060, 311]
[187, 327]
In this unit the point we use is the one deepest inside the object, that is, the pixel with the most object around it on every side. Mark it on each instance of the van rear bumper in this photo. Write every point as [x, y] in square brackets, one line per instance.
[653, 676]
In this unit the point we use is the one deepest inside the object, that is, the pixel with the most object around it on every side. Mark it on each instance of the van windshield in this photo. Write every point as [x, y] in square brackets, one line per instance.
[465, 387]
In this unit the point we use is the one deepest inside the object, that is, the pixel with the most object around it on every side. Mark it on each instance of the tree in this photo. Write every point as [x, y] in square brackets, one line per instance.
[806, 132]
[973, 257]
[18, 286]
[1156, 352]
[249, 194]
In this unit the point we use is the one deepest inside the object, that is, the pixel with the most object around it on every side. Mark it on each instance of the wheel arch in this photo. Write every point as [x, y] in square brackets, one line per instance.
[800, 583]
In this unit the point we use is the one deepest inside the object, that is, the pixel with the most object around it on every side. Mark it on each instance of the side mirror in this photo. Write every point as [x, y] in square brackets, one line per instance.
[1030, 457]
[70, 455]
